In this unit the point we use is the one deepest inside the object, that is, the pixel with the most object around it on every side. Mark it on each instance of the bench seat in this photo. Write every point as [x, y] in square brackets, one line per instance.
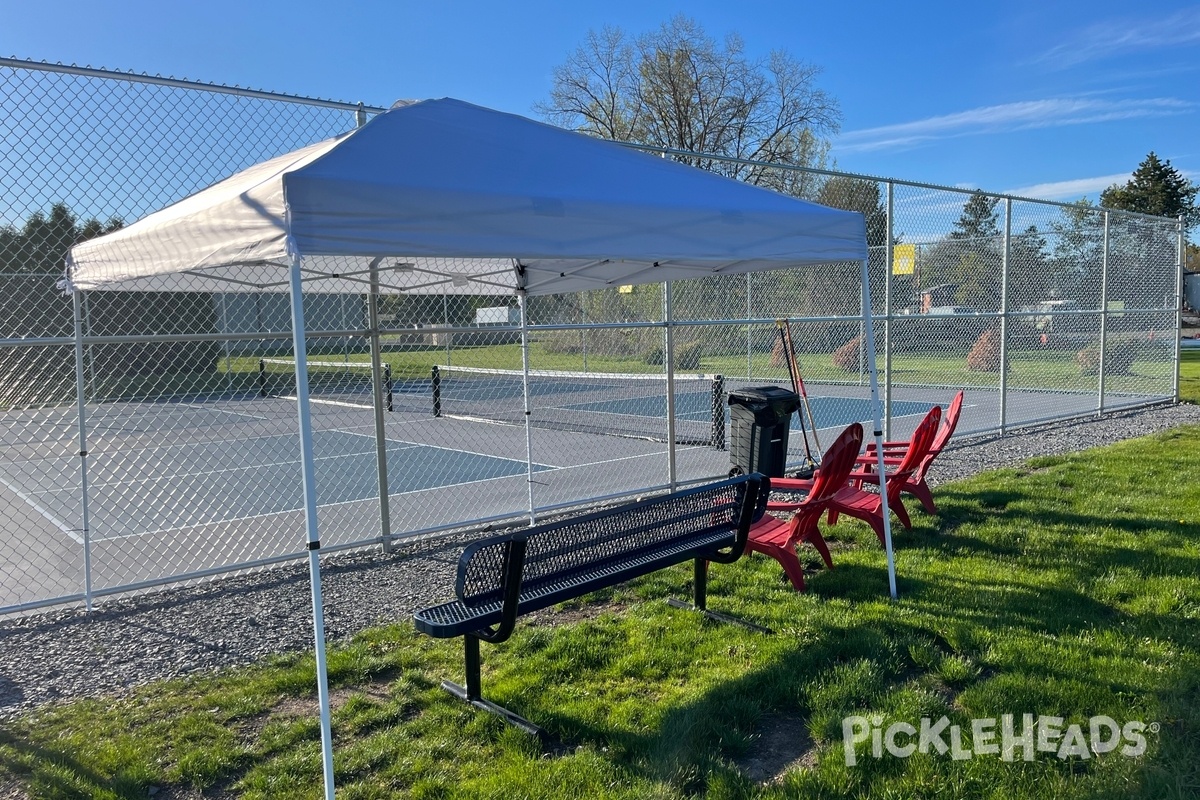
[457, 618]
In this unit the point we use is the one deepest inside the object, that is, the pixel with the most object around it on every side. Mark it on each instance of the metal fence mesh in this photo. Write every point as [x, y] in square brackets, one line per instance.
[185, 401]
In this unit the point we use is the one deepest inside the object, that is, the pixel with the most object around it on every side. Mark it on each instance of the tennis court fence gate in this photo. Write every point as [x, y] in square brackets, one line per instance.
[181, 401]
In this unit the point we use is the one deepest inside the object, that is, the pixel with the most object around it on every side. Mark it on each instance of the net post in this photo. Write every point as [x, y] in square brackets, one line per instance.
[387, 385]
[718, 412]
[435, 382]
[262, 377]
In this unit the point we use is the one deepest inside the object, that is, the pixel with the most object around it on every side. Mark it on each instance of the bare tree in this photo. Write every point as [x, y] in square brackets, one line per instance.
[678, 88]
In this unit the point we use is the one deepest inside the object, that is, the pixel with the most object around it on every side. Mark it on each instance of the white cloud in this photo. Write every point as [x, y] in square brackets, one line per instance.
[1069, 190]
[1027, 115]
[1117, 37]
[1076, 188]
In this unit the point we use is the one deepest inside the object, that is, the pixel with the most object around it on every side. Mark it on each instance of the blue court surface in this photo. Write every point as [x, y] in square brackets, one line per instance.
[829, 412]
[194, 483]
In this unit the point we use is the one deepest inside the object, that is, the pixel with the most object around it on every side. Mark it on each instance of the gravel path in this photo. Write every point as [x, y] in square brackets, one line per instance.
[68, 654]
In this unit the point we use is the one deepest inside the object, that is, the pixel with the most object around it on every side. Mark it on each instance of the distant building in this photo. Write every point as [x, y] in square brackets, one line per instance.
[941, 295]
[498, 315]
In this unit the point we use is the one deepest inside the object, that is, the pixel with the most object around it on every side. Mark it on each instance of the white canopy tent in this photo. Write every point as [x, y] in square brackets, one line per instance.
[442, 196]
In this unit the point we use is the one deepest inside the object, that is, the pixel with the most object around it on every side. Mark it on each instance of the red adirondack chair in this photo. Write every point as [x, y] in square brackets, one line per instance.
[778, 539]
[893, 453]
[857, 502]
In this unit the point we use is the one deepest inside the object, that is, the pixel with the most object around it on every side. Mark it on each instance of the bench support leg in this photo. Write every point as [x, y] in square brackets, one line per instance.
[473, 692]
[701, 601]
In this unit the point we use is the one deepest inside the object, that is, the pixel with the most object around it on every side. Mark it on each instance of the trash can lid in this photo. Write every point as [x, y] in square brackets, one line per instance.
[780, 400]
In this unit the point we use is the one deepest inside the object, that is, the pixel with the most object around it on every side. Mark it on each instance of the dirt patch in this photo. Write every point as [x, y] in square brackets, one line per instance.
[781, 744]
[573, 613]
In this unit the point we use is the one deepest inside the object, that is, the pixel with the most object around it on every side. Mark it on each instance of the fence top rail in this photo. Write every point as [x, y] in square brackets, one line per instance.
[183, 83]
[894, 181]
[93, 72]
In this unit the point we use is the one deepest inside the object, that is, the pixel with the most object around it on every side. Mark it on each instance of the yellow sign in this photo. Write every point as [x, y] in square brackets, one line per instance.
[625, 290]
[904, 259]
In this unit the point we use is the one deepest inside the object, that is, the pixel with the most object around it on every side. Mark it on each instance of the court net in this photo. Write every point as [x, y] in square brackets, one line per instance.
[614, 404]
[337, 382]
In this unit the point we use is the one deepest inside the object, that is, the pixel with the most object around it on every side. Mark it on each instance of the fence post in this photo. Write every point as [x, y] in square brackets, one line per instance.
[669, 361]
[887, 315]
[381, 465]
[1181, 253]
[1005, 268]
[81, 409]
[523, 301]
[1100, 374]
[90, 351]
[749, 334]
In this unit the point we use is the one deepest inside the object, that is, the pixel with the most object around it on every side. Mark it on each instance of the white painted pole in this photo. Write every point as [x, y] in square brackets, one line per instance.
[81, 412]
[877, 410]
[381, 470]
[524, 303]
[669, 361]
[308, 475]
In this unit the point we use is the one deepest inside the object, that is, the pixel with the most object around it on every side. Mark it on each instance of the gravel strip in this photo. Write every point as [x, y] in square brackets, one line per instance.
[66, 654]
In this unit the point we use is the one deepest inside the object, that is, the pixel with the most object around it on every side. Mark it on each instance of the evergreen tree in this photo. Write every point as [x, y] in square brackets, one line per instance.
[971, 256]
[1156, 188]
[1029, 276]
[1078, 251]
[41, 245]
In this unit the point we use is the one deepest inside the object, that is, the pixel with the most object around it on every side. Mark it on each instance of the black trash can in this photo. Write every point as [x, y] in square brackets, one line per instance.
[759, 420]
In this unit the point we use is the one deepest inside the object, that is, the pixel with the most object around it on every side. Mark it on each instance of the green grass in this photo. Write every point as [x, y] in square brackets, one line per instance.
[1189, 376]
[1067, 587]
[1034, 368]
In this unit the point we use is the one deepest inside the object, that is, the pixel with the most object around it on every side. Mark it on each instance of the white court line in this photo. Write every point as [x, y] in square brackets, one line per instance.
[219, 410]
[58, 523]
[339, 403]
[322, 505]
[447, 449]
[173, 475]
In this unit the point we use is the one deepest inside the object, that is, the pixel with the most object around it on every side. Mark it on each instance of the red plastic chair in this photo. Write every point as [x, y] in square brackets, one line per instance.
[778, 539]
[857, 502]
[893, 454]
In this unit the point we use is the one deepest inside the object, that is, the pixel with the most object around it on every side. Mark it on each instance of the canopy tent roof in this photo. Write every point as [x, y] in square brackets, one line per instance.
[443, 196]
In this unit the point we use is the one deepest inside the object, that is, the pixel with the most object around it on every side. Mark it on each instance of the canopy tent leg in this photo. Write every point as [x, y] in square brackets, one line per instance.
[523, 301]
[308, 475]
[669, 361]
[877, 410]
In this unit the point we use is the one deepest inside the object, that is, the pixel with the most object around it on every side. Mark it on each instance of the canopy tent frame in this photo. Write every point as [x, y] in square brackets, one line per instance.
[766, 230]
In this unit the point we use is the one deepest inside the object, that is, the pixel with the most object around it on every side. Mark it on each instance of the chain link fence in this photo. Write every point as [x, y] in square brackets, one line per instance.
[184, 401]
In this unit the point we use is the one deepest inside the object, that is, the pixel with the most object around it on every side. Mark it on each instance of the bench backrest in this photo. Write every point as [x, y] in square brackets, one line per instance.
[616, 536]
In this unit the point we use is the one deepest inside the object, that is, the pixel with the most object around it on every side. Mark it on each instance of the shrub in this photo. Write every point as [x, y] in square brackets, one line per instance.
[985, 353]
[847, 356]
[653, 355]
[778, 359]
[687, 356]
[1119, 359]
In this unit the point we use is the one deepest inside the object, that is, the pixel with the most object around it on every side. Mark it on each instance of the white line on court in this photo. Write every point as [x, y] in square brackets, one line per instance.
[171, 475]
[58, 523]
[322, 505]
[447, 449]
[219, 410]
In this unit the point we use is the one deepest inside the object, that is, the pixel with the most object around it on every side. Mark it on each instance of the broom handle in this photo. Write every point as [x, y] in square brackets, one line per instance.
[795, 376]
[794, 364]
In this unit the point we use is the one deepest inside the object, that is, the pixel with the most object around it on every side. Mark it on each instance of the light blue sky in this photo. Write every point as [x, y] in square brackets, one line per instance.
[1054, 98]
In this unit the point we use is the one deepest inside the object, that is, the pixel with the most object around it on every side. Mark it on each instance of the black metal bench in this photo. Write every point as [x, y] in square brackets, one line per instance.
[505, 576]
